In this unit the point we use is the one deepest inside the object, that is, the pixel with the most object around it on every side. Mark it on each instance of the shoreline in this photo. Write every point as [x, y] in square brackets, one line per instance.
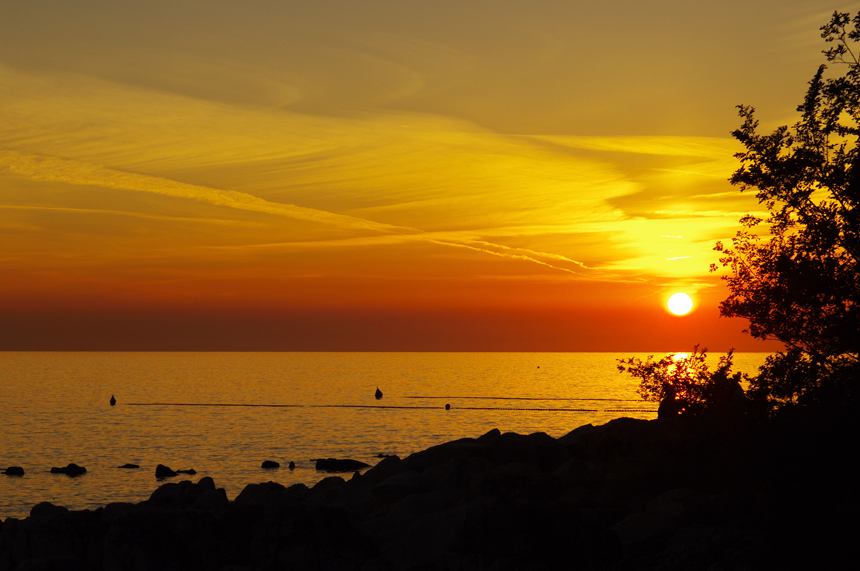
[628, 494]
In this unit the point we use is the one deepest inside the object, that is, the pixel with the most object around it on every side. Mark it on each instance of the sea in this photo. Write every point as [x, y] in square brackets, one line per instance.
[223, 414]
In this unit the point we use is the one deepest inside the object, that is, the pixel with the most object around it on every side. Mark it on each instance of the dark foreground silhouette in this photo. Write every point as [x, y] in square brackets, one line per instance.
[630, 494]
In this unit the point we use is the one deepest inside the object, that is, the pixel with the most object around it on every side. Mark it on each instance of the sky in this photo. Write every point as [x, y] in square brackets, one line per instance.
[381, 175]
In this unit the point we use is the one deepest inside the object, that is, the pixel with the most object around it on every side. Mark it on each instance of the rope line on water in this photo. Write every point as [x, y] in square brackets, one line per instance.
[253, 405]
[523, 398]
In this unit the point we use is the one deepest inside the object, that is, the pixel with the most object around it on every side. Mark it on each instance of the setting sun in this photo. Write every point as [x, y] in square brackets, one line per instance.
[680, 304]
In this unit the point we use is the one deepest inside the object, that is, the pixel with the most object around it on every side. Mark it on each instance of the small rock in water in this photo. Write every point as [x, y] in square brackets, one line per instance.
[112, 400]
[14, 471]
[270, 464]
[190, 471]
[292, 465]
[378, 394]
[70, 470]
[162, 471]
[129, 466]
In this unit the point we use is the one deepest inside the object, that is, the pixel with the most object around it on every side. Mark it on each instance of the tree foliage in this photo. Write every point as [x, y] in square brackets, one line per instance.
[801, 284]
[688, 377]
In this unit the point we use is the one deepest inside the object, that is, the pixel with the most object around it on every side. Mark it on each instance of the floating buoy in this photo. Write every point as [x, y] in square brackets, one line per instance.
[447, 407]
[112, 400]
[378, 393]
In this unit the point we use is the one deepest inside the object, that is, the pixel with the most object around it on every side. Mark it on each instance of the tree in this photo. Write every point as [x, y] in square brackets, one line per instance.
[687, 379]
[801, 285]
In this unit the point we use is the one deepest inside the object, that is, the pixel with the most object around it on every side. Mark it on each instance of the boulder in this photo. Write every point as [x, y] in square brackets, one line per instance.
[383, 470]
[180, 494]
[304, 537]
[129, 466]
[70, 470]
[45, 509]
[339, 465]
[646, 531]
[212, 500]
[151, 538]
[162, 471]
[271, 494]
[268, 464]
[190, 471]
[14, 471]
[60, 563]
[53, 535]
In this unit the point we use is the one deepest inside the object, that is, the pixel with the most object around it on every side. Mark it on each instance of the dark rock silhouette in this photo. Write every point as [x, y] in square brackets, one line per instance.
[162, 471]
[378, 393]
[129, 466]
[46, 509]
[14, 471]
[185, 494]
[70, 470]
[112, 400]
[292, 465]
[270, 464]
[190, 471]
[631, 494]
[339, 465]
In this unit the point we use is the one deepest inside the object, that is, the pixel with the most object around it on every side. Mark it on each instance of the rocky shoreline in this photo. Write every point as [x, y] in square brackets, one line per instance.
[629, 494]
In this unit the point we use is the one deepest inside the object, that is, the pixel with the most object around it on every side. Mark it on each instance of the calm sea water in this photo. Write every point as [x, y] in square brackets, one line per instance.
[55, 410]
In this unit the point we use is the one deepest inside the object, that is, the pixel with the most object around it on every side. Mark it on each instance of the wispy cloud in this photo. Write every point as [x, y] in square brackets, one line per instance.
[45, 168]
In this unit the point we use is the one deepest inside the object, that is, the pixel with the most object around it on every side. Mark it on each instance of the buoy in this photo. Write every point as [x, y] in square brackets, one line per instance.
[112, 400]
[292, 465]
[447, 407]
[378, 393]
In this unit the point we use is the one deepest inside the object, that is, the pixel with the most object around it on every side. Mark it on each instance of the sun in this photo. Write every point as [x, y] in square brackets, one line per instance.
[680, 304]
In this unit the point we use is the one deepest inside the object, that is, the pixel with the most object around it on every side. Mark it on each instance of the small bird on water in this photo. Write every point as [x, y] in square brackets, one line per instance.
[378, 393]
[112, 400]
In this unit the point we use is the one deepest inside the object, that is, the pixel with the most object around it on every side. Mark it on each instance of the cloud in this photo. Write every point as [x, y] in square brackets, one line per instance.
[55, 169]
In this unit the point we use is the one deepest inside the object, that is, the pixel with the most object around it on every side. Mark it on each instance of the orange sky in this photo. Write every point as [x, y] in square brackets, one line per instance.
[380, 175]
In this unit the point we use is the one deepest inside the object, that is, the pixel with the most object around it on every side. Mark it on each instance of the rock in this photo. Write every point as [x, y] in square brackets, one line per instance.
[61, 563]
[646, 531]
[383, 470]
[52, 536]
[180, 494]
[398, 486]
[212, 500]
[270, 494]
[70, 470]
[304, 537]
[129, 466]
[190, 471]
[270, 464]
[292, 465]
[45, 509]
[162, 471]
[14, 471]
[342, 465]
[149, 538]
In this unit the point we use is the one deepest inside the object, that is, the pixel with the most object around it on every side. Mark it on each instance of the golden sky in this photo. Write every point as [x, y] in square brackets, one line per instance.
[380, 175]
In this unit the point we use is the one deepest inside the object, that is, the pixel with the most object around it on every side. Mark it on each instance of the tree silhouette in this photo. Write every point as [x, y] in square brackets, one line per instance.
[801, 285]
[686, 379]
